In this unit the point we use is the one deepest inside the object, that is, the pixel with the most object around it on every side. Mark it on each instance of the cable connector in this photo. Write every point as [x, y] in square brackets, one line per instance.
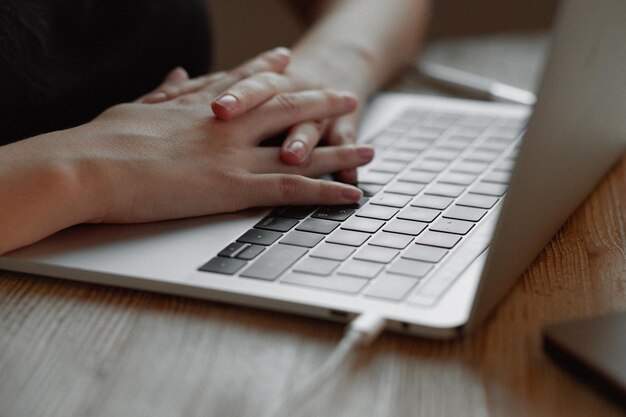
[368, 326]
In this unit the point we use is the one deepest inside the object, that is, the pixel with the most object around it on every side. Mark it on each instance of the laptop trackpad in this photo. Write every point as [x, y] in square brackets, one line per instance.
[162, 250]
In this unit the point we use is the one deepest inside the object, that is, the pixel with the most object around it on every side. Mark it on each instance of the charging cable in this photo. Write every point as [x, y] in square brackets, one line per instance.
[360, 332]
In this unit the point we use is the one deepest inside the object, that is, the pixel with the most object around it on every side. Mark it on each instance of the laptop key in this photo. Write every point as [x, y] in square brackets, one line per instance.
[376, 254]
[378, 178]
[419, 177]
[415, 269]
[277, 224]
[470, 167]
[391, 240]
[274, 262]
[361, 224]
[465, 213]
[260, 237]
[501, 177]
[317, 226]
[433, 165]
[333, 252]
[369, 190]
[432, 201]
[419, 214]
[391, 200]
[304, 239]
[487, 188]
[457, 227]
[233, 249]
[377, 212]
[294, 212]
[441, 240]
[405, 227]
[348, 238]
[478, 201]
[458, 178]
[221, 265]
[406, 188]
[337, 213]
[316, 266]
[251, 252]
[445, 190]
[392, 167]
[361, 269]
[425, 253]
[344, 284]
[391, 287]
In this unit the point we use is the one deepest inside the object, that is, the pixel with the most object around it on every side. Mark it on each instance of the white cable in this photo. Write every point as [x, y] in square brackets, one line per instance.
[360, 332]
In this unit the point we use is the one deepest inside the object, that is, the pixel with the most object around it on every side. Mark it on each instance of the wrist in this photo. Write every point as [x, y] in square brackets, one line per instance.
[341, 65]
[79, 183]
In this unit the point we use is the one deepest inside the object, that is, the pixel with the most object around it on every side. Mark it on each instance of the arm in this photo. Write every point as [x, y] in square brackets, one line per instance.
[372, 38]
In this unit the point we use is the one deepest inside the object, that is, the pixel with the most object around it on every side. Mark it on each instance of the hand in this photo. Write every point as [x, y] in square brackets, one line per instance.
[178, 83]
[303, 137]
[254, 83]
[174, 159]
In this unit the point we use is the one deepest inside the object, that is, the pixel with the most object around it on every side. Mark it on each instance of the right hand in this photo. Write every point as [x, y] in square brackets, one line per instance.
[147, 162]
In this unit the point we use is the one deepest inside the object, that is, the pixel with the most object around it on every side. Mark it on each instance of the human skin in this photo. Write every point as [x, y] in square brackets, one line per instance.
[140, 162]
[354, 45]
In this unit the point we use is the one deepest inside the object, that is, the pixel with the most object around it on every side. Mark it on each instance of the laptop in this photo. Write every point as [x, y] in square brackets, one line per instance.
[460, 198]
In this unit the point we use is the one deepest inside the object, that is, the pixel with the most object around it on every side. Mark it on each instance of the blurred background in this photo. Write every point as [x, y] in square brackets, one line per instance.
[243, 28]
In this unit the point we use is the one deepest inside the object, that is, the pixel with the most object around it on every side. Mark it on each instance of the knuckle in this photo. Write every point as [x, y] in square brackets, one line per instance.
[288, 186]
[289, 103]
[269, 80]
[240, 73]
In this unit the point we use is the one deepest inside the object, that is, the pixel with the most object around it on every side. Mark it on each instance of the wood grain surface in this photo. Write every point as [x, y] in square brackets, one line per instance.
[69, 349]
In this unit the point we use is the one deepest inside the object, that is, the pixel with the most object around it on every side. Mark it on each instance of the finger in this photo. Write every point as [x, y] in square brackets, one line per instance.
[343, 132]
[275, 60]
[300, 142]
[324, 160]
[177, 76]
[285, 189]
[289, 109]
[249, 93]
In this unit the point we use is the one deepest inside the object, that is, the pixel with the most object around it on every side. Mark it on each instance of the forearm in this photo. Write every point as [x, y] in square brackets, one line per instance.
[361, 43]
[40, 191]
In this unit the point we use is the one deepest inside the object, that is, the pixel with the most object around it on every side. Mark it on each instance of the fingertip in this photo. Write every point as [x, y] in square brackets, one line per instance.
[156, 97]
[351, 194]
[293, 152]
[225, 106]
[350, 100]
[177, 75]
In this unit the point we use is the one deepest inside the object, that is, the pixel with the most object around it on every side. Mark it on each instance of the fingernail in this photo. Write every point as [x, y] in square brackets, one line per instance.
[350, 101]
[351, 194]
[228, 102]
[155, 97]
[365, 153]
[281, 50]
[297, 148]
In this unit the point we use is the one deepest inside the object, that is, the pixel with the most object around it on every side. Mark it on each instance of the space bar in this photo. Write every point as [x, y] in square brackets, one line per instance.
[274, 262]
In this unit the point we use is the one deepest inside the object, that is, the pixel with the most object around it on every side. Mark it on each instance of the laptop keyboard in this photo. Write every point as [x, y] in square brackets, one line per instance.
[427, 198]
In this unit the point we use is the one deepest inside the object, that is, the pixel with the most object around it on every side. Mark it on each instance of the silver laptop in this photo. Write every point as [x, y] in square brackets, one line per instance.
[460, 199]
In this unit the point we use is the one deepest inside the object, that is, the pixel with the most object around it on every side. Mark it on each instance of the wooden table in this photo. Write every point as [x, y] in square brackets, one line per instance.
[70, 349]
